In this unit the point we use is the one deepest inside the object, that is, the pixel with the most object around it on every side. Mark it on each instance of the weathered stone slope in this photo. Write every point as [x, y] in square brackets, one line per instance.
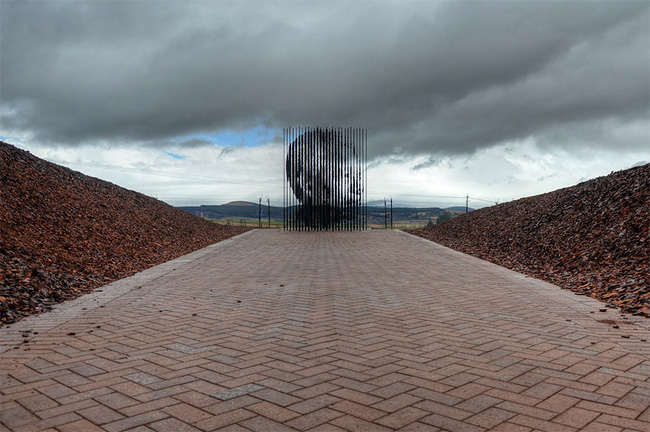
[592, 238]
[63, 233]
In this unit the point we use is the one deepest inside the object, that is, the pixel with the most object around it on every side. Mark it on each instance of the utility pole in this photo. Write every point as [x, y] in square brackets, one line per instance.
[259, 214]
[385, 215]
[467, 204]
[391, 212]
[268, 209]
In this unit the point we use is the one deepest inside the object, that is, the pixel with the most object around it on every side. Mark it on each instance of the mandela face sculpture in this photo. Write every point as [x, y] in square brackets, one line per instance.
[325, 173]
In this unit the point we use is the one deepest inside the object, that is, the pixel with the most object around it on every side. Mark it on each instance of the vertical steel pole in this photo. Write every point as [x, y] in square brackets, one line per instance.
[342, 178]
[350, 179]
[363, 181]
[339, 177]
[303, 168]
[292, 156]
[284, 195]
[300, 170]
[366, 175]
[335, 179]
[345, 171]
[310, 179]
[296, 156]
[288, 169]
[289, 173]
[290, 193]
[351, 170]
[344, 205]
[357, 179]
[354, 179]
[326, 180]
[312, 189]
[316, 179]
[330, 175]
[307, 163]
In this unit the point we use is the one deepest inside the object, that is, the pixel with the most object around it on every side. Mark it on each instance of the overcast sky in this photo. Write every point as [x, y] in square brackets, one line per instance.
[186, 100]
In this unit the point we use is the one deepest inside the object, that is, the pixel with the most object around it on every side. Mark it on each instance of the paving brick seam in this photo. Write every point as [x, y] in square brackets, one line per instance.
[377, 330]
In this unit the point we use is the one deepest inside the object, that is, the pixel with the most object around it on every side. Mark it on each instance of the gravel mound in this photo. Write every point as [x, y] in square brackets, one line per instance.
[592, 238]
[63, 234]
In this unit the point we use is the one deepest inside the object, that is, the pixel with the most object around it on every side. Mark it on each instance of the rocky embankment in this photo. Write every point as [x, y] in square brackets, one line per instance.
[63, 233]
[592, 238]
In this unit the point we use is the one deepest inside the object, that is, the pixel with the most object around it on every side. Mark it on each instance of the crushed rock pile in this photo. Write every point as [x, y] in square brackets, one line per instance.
[592, 238]
[63, 233]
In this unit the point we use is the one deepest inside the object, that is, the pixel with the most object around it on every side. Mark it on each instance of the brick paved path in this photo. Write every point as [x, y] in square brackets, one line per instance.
[372, 331]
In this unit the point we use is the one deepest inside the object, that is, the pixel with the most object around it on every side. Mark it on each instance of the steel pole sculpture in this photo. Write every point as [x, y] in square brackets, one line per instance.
[325, 179]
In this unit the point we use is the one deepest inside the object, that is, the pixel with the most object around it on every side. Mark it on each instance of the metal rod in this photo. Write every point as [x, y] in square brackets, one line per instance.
[326, 172]
[357, 185]
[365, 170]
[284, 159]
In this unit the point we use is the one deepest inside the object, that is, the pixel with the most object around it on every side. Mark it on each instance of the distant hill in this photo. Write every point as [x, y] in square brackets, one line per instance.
[241, 204]
[63, 233]
[461, 209]
[592, 238]
[241, 209]
[233, 210]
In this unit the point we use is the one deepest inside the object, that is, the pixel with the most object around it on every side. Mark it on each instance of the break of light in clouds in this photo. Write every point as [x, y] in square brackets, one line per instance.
[186, 100]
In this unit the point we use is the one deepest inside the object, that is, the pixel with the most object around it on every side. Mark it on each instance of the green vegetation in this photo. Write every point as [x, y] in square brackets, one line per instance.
[444, 217]
[246, 214]
[249, 222]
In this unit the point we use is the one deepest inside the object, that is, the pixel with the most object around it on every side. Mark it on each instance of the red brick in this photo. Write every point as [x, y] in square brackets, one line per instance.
[558, 403]
[490, 418]
[356, 396]
[401, 418]
[352, 423]
[195, 399]
[100, 414]
[576, 417]
[396, 403]
[172, 425]
[337, 339]
[262, 424]
[419, 427]
[314, 419]
[79, 426]
[622, 422]
[314, 404]
[272, 411]
[13, 415]
[186, 413]
[132, 422]
[539, 424]
[358, 410]
[222, 420]
[38, 402]
[600, 427]
[116, 400]
[450, 424]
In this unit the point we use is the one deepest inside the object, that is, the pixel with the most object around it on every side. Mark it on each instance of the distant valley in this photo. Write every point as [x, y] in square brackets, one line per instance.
[243, 212]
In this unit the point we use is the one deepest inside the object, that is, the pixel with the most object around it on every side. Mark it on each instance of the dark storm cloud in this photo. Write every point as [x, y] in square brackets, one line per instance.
[423, 77]
[426, 163]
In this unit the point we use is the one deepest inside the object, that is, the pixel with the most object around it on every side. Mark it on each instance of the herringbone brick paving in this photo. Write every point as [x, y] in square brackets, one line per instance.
[375, 331]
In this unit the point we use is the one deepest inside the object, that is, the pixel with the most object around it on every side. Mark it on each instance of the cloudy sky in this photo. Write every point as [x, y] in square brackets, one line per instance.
[186, 100]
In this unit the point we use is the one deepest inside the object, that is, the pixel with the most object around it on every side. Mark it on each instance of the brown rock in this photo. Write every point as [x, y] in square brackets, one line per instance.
[63, 234]
[592, 238]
